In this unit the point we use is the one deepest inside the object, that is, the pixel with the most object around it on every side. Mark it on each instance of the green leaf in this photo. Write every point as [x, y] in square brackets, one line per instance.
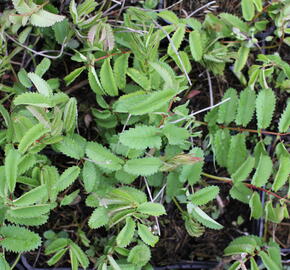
[44, 18]
[167, 76]
[282, 174]
[227, 110]
[139, 78]
[244, 170]
[195, 44]
[30, 137]
[29, 211]
[61, 31]
[120, 70]
[248, 9]
[268, 262]
[234, 21]
[67, 178]
[56, 257]
[152, 209]
[265, 106]
[263, 171]
[125, 236]
[204, 195]
[240, 192]
[221, 146]
[256, 206]
[40, 84]
[146, 235]
[34, 99]
[169, 16]
[11, 168]
[242, 58]
[175, 135]
[73, 75]
[68, 199]
[70, 147]
[34, 221]
[113, 263]
[80, 255]
[33, 196]
[41, 68]
[143, 166]
[94, 81]
[103, 157]
[17, 239]
[141, 137]
[237, 153]
[176, 40]
[239, 249]
[139, 255]
[128, 195]
[70, 115]
[152, 102]
[253, 265]
[202, 217]
[91, 176]
[246, 107]
[56, 245]
[99, 218]
[73, 260]
[23, 78]
[108, 79]
[284, 121]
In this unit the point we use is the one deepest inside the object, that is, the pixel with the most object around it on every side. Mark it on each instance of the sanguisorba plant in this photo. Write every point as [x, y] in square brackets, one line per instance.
[145, 153]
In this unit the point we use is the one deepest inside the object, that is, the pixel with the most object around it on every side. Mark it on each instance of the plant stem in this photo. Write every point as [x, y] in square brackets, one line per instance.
[229, 181]
[178, 205]
[16, 261]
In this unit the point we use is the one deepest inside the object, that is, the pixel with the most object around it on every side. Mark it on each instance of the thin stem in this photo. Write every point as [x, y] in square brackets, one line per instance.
[178, 205]
[16, 261]
[229, 181]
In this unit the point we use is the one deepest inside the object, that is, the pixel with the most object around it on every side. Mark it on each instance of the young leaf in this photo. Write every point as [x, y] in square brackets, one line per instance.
[139, 255]
[42, 67]
[165, 74]
[143, 166]
[40, 84]
[246, 107]
[139, 78]
[11, 168]
[202, 217]
[282, 174]
[152, 209]
[204, 195]
[237, 153]
[17, 239]
[67, 178]
[227, 111]
[108, 79]
[176, 40]
[146, 235]
[94, 81]
[33, 196]
[263, 171]
[256, 206]
[125, 236]
[141, 137]
[284, 121]
[195, 44]
[99, 218]
[80, 255]
[56, 257]
[73, 75]
[31, 136]
[34, 99]
[68, 199]
[103, 157]
[265, 106]
[56, 245]
[120, 70]
[44, 18]
[113, 263]
[242, 58]
[244, 170]
[70, 115]
[268, 262]
[91, 176]
[248, 9]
